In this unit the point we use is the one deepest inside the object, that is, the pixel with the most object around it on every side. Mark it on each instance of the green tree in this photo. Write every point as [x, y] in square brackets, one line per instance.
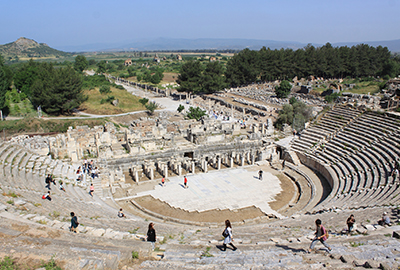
[190, 77]
[101, 66]
[283, 90]
[213, 78]
[104, 89]
[5, 83]
[57, 91]
[143, 101]
[151, 107]
[180, 108]
[81, 63]
[295, 114]
[195, 113]
[25, 76]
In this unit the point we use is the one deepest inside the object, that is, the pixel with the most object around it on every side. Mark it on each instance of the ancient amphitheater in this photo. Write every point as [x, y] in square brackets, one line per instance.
[341, 164]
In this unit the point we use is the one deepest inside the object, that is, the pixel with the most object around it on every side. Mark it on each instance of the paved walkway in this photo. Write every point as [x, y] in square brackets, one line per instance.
[227, 189]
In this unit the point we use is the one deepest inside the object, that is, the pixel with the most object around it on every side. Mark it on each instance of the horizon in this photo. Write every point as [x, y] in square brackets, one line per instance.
[100, 22]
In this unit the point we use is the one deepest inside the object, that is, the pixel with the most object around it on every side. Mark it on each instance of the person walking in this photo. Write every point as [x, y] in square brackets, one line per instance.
[163, 181]
[151, 235]
[227, 233]
[74, 223]
[320, 235]
[260, 173]
[91, 190]
[62, 186]
[350, 223]
[48, 181]
[185, 182]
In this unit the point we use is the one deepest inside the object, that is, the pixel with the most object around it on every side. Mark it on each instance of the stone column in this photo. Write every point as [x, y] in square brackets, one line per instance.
[262, 128]
[253, 159]
[219, 164]
[193, 167]
[205, 166]
[165, 171]
[242, 160]
[136, 173]
[179, 169]
[231, 162]
[151, 173]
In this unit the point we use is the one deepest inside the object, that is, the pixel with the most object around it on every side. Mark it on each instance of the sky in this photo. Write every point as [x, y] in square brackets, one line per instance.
[72, 23]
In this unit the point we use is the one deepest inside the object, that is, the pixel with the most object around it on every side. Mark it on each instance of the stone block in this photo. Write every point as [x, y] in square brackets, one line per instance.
[347, 258]
[19, 202]
[97, 232]
[3, 207]
[369, 227]
[371, 264]
[396, 234]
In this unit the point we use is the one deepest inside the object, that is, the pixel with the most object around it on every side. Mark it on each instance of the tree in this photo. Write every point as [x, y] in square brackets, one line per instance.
[151, 106]
[189, 77]
[104, 89]
[295, 114]
[81, 63]
[25, 76]
[180, 108]
[5, 83]
[57, 91]
[195, 113]
[101, 66]
[283, 90]
[212, 78]
[143, 101]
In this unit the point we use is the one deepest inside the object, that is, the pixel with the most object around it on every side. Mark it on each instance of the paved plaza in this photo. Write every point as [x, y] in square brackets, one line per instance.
[227, 189]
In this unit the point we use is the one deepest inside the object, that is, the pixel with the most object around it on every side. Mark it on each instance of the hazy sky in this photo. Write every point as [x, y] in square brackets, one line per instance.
[69, 23]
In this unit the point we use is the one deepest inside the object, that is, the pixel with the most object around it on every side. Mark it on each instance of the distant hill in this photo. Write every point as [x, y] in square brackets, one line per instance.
[28, 48]
[159, 44]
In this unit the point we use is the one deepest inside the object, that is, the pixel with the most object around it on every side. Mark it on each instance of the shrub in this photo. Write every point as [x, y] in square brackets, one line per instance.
[109, 99]
[135, 255]
[105, 89]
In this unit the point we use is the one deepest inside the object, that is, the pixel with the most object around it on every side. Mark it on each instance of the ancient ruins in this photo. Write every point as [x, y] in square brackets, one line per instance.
[343, 162]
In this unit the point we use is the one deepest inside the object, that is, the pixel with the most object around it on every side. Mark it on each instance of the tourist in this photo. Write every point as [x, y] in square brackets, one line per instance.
[52, 180]
[47, 196]
[163, 181]
[283, 164]
[91, 190]
[185, 182]
[394, 174]
[48, 181]
[320, 235]
[385, 220]
[120, 213]
[61, 186]
[350, 223]
[227, 233]
[260, 173]
[74, 223]
[151, 235]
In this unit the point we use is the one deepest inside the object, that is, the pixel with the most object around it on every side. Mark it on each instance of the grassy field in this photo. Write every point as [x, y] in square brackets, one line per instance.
[127, 102]
[35, 125]
[365, 87]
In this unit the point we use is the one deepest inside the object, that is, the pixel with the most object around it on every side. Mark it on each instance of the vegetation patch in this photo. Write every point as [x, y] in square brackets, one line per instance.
[98, 104]
[35, 125]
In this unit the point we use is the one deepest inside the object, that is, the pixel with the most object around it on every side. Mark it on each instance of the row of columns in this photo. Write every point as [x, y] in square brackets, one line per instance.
[176, 166]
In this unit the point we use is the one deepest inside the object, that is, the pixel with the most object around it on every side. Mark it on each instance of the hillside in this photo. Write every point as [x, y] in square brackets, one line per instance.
[28, 48]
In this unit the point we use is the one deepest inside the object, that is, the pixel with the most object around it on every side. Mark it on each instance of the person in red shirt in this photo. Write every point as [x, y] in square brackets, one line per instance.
[185, 182]
[91, 190]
